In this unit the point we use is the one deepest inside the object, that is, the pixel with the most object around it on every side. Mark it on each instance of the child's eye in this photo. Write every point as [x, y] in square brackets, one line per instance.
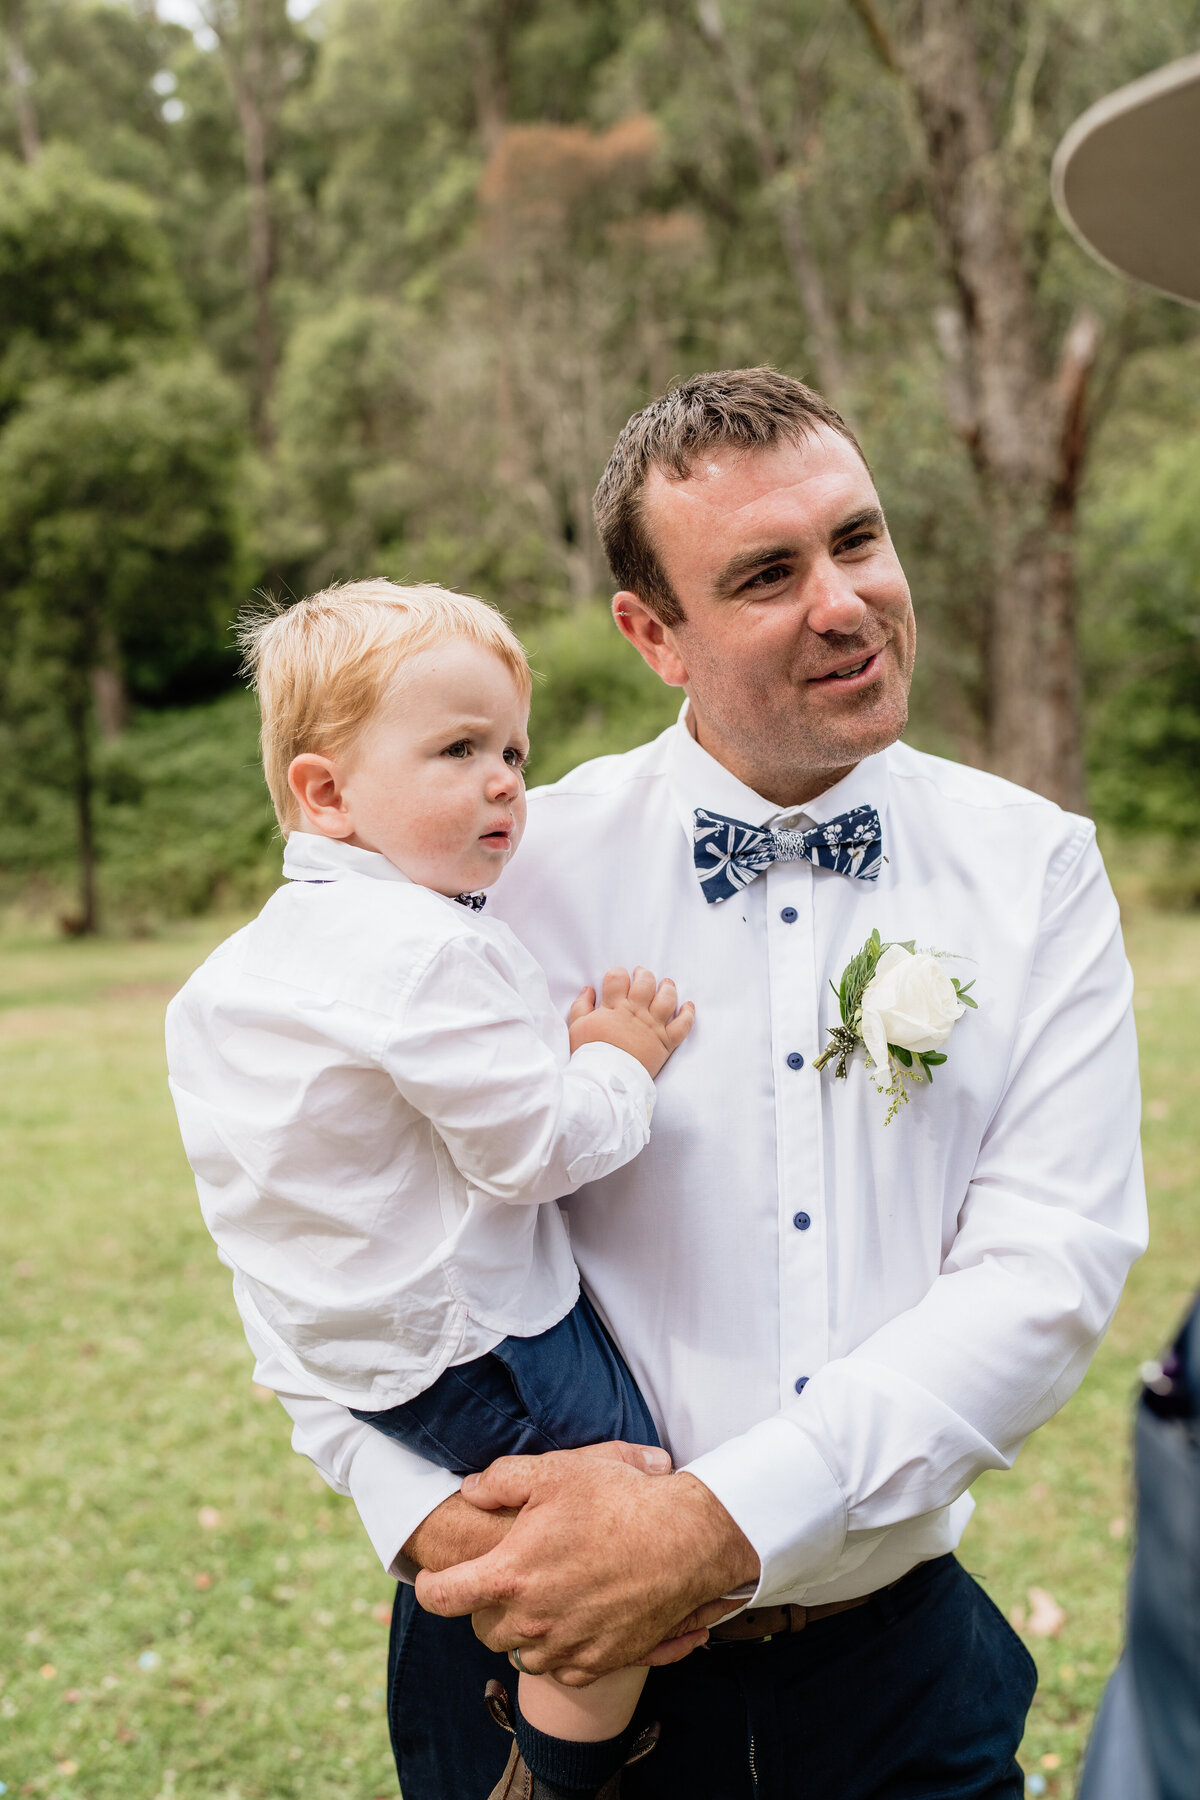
[515, 758]
[460, 747]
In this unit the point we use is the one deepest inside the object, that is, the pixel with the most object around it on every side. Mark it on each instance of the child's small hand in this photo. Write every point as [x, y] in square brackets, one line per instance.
[636, 1014]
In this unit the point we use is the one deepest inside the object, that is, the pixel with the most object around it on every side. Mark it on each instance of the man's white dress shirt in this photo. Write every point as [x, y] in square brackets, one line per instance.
[837, 1325]
[380, 1104]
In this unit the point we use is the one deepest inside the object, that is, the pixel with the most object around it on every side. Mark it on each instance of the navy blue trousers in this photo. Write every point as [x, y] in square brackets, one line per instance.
[919, 1695]
[559, 1391]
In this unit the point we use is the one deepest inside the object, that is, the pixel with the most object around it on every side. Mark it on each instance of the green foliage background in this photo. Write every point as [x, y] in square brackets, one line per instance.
[493, 232]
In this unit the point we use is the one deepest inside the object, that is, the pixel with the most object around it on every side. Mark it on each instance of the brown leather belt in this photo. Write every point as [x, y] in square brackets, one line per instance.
[759, 1624]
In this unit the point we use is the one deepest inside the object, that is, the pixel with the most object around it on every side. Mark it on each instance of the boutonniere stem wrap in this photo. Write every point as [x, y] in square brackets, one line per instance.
[899, 1005]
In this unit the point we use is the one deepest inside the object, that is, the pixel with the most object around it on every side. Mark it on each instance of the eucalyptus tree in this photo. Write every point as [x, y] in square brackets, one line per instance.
[118, 464]
[884, 165]
[119, 523]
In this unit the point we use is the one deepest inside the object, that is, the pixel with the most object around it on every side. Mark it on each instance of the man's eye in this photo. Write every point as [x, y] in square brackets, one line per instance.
[765, 578]
[461, 747]
[857, 540]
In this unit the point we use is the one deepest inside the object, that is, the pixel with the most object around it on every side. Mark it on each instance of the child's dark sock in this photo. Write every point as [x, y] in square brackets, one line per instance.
[569, 1768]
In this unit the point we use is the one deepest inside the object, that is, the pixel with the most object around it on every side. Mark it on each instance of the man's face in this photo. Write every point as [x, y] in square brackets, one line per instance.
[798, 640]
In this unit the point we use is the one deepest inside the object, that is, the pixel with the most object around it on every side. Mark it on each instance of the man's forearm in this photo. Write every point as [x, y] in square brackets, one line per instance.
[456, 1532]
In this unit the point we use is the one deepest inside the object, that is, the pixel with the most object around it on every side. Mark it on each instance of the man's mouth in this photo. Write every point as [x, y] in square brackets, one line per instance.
[850, 671]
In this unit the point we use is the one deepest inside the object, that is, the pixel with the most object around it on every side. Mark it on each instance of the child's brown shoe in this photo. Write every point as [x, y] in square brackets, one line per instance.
[518, 1783]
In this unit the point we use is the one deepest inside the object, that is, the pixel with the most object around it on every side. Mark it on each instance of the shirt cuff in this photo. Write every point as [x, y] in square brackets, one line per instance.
[616, 1068]
[394, 1490]
[778, 1489]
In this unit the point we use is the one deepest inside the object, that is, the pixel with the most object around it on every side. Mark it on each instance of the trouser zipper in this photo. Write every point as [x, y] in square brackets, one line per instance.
[753, 1770]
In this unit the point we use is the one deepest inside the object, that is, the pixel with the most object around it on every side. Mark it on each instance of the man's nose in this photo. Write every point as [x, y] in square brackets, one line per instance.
[833, 606]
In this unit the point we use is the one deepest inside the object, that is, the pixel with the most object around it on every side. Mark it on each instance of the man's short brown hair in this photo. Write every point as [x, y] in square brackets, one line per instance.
[750, 409]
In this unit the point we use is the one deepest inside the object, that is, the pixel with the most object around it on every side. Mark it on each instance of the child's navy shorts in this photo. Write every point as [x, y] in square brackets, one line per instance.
[558, 1391]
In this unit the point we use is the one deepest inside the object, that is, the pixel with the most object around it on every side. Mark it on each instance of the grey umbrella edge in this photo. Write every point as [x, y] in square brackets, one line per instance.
[1134, 97]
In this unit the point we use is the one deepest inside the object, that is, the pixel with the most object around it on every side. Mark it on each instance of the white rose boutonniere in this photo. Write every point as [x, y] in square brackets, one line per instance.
[900, 1005]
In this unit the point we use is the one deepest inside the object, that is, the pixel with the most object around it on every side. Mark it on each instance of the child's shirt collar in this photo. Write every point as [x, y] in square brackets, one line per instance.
[309, 857]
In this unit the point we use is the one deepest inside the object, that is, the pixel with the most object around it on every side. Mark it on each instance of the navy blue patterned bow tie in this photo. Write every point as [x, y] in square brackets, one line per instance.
[729, 854]
[476, 902]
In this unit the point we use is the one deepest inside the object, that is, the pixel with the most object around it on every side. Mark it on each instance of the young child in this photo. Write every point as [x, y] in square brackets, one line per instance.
[380, 1103]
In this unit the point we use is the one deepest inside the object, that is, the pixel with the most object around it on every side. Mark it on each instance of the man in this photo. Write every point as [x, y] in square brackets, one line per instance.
[837, 1323]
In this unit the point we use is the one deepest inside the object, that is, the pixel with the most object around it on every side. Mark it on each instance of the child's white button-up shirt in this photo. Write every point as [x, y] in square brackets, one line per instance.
[378, 1099]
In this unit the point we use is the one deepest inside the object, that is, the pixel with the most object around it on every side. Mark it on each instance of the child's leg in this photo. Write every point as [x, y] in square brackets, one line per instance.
[571, 1742]
[586, 1715]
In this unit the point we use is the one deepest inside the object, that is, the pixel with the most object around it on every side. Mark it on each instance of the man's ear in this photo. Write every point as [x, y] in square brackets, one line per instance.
[650, 638]
[316, 783]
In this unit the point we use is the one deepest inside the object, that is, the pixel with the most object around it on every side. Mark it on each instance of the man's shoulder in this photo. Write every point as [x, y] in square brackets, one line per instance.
[964, 785]
[605, 778]
[960, 793]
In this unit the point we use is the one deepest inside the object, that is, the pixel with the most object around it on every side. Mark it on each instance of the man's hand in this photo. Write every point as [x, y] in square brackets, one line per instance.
[455, 1532]
[599, 1567]
[458, 1532]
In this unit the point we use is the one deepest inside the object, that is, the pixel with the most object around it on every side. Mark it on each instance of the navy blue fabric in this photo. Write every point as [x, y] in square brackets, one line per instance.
[561, 1390]
[919, 1695]
[729, 854]
[1145, 1744]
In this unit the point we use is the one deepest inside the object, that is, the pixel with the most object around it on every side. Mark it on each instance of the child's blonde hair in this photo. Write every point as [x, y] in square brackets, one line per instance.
[321, 667]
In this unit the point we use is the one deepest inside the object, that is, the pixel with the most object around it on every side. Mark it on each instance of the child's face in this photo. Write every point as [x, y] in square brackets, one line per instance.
[434, 782]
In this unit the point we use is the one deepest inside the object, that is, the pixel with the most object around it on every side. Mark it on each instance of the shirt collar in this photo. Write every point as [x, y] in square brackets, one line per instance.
[698, 779]
[309, 857]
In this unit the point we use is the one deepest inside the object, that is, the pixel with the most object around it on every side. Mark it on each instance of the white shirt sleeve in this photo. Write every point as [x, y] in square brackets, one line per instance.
[1052, 1220]
[393, 1488]
[518, 1124]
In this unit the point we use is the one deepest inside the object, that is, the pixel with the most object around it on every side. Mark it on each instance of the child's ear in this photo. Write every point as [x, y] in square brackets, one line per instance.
[316, 784]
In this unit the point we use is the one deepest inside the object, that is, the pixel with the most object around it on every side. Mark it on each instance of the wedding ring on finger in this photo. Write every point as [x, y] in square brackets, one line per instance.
[514, 1657]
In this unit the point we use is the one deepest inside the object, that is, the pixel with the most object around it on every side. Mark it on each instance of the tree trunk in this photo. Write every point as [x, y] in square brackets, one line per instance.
[1064, 713]
[1025, 429]
[20, 83]
[829, 366]
[250, 92]
[783, 181]
[246, 55]
[488, 34]
[85, 923]
[110, 700]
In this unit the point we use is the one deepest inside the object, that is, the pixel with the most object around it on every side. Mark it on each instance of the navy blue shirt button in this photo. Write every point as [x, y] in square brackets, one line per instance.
[801, 1221]
[801, 1383]
[789, 915]
[795, 1060]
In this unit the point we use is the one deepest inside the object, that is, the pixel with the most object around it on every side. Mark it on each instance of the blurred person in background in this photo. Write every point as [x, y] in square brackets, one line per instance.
[1127, 183]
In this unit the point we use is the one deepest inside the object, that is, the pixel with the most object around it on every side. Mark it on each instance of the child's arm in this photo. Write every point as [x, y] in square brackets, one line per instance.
[465, 1052]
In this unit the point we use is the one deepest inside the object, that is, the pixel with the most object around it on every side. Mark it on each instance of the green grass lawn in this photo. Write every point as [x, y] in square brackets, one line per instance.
[188, 1613]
